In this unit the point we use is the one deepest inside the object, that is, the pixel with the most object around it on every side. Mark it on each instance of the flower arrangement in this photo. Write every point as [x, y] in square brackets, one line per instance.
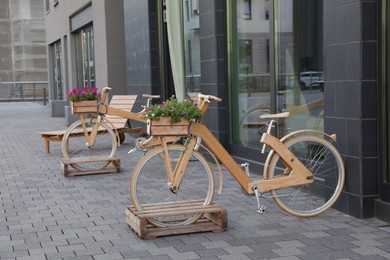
[86, 93]
[172, 109]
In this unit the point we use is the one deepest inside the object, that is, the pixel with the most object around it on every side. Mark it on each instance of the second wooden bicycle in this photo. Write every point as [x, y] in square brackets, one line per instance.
[304, 172]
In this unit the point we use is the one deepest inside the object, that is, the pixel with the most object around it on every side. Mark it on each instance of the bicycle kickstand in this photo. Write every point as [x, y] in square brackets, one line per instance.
[260, 208]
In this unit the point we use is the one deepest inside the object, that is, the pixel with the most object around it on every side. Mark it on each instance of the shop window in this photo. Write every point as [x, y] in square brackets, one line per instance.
[56, 60]
[85, 59]
[192, 45]
[275, 66]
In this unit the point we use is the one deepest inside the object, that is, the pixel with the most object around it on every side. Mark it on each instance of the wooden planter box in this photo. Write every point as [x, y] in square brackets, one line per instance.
[164, 127]
[85, 107]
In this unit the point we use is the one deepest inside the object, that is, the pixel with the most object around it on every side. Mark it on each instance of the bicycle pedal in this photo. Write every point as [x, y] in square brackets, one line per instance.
[261, 209]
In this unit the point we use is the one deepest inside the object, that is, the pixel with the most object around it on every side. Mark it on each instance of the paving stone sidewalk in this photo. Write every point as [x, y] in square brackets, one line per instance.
[44, 215]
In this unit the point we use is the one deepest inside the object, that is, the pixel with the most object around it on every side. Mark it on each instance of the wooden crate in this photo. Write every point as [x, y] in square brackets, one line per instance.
[113, 167]
[214, 219]
[164, 127]
[84, 107]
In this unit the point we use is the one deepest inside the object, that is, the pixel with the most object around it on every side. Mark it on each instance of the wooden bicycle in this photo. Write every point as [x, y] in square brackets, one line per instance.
[304, 172]
[90, 144]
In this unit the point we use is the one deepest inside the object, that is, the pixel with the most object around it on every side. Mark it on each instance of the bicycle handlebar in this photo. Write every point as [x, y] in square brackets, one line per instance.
[209, 97]
[150, 96]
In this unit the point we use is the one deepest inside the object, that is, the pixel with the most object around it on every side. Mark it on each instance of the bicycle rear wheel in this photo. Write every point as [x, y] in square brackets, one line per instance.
[150, 186]
[326, 164]
[74, 145]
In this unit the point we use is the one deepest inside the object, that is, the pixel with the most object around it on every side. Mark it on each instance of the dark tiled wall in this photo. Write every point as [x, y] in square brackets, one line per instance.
[142, 63]
[212, 23]
[350, 40]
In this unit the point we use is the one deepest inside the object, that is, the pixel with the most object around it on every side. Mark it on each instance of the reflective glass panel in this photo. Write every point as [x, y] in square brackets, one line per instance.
[192, 45]
[85, 60]
[299, 70]
[56, 53]
[275, 66]
[250, 70]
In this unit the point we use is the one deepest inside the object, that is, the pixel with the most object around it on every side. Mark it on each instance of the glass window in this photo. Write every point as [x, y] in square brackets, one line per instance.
[85, 60]
[299, 63]
[247, 9]
[249, 73]
[266, 9]
[286, 51]
[192, 46]
[56, 55]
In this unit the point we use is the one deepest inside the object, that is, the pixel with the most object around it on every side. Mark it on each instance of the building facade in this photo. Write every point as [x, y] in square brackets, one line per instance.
[86, 47]
[324, 61]
[22, 44]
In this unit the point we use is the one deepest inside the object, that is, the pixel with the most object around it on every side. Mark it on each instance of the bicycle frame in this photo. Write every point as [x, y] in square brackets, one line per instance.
[104, 109]
[297, 174]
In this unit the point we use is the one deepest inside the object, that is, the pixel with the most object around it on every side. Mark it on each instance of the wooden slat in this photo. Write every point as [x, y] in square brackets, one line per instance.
[123, 102]
[113, 167]
[177, 212]
[215, 221]
[90, 159]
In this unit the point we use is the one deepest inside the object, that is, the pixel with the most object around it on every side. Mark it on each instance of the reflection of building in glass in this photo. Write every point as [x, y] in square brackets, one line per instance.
[192, 42]
[254, 38]
[22, 41]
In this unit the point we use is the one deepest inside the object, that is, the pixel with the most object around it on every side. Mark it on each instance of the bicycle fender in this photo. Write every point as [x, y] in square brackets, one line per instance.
[290, 135]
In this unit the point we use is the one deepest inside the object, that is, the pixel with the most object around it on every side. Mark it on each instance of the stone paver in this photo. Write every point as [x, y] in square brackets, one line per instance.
[44, 215]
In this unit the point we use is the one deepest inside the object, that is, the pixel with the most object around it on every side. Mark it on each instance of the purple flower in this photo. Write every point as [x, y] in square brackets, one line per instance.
[184, 114]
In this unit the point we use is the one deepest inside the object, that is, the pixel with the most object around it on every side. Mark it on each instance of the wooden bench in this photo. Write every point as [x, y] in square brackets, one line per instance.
[122, 125]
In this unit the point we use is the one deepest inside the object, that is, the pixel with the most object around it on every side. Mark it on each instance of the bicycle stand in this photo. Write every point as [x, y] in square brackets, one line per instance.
[214, 219]
[112, 167]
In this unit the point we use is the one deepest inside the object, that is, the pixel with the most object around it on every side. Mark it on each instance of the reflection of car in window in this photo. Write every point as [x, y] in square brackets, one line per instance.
[311, 78]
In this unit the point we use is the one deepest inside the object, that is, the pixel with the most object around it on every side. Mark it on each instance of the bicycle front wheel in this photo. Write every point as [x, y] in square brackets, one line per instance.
[324, 162]
[74, 145]
[150, 186]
